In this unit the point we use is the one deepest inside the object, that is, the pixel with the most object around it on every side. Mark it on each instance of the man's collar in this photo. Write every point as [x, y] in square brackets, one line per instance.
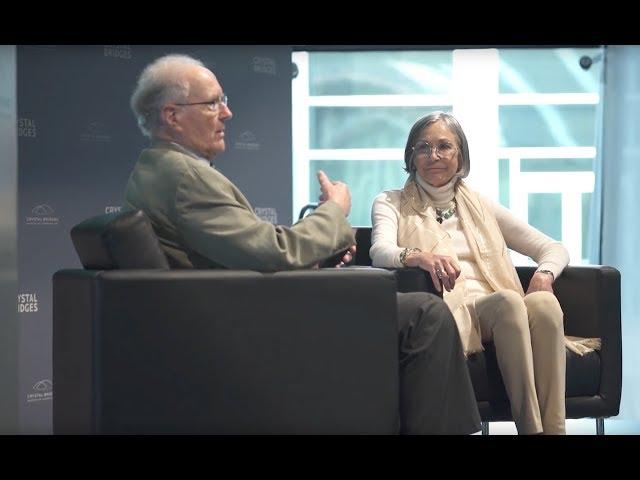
[179, 148]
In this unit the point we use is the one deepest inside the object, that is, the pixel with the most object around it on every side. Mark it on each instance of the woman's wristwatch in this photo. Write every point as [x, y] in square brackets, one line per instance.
[548, 272]
[407, 251]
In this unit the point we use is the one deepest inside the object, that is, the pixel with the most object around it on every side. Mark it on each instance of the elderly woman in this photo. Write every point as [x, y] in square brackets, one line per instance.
[436, 222]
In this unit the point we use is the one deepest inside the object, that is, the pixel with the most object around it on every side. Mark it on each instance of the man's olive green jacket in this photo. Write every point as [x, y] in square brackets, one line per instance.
[204, 221]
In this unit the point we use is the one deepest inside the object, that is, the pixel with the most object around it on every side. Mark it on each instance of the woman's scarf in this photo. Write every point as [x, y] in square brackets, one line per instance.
[418, 227]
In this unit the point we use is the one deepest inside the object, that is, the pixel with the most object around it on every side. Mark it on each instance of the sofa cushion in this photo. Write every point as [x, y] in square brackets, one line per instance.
[583, 375]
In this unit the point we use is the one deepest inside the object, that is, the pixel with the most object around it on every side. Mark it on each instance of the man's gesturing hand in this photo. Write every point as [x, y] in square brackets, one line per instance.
[336, 191]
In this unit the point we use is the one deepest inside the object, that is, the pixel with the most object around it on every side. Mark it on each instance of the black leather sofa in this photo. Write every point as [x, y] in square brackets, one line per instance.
[141, 349]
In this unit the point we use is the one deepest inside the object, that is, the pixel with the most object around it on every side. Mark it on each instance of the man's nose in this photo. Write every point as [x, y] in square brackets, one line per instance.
[225, 113]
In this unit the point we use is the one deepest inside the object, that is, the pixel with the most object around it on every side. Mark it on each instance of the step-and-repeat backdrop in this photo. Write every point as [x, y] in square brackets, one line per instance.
[77, 143]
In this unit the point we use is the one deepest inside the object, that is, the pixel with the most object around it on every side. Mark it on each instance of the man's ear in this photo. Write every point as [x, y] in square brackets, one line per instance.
[169, 115]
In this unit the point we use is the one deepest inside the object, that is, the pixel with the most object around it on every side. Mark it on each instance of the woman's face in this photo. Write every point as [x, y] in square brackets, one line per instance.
[436, 154]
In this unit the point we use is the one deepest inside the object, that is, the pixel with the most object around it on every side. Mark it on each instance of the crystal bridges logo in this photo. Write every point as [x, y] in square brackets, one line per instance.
[118, 51]
[264, 65]
[42, 215]
[27, 303]
[27, 127]
[268, 214]
[42, 390]
[247, 141]
[95, 132]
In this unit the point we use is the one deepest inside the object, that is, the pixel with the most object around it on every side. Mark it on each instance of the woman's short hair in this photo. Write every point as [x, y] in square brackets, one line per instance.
[453, 124]
[161, 82]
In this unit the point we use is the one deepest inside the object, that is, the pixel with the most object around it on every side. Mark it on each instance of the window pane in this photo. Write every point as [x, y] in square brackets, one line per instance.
[527, 71]
[363, 127]
[366, 179]
[545, 213]
[503, 182]
[547, 125]
[375, 73]
[586, 210]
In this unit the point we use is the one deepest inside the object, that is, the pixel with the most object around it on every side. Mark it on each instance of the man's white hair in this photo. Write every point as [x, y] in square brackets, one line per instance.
[161, 82]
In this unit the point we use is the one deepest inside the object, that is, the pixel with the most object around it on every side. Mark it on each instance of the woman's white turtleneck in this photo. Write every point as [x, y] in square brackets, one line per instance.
[519, 236]
[441, 197]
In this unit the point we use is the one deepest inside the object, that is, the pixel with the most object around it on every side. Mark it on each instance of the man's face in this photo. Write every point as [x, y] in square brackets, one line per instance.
[200, 128]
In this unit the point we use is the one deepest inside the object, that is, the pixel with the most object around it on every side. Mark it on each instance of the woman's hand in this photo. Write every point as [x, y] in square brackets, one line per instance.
[540, 282]
[443, 269]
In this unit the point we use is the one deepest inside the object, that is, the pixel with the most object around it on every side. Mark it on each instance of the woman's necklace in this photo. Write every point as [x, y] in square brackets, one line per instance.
[445, 213]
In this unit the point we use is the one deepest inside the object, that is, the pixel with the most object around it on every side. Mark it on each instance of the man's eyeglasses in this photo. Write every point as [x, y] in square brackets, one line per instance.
[213, 104]
[443, 150]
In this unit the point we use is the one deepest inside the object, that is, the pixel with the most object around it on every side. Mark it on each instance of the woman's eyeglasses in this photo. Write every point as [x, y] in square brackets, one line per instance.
[443, 150]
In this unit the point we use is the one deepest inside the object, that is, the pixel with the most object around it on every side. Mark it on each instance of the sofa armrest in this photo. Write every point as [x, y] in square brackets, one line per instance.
[412, 279]
[590, 300]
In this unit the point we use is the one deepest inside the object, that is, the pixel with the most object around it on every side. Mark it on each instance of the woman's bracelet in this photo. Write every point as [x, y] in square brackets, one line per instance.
[406, 252]
[548, 272]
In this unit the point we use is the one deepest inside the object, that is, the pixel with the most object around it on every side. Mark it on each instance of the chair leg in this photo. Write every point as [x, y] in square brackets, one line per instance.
[485, 428]
[600, 426]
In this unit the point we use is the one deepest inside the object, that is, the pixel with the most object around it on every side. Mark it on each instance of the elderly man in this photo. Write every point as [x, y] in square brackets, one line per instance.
[204, 221]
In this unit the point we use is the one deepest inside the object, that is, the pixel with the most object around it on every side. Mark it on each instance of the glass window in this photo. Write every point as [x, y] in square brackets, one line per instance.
[546, 125]
[547, 70]
[375, 73]
[545, 213]
[363, 127]
[530, 115]
[503, 168]
[366, 179]
[586, 205]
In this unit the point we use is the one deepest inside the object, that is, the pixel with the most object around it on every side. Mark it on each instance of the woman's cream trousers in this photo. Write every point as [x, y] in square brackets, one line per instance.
[528, 335]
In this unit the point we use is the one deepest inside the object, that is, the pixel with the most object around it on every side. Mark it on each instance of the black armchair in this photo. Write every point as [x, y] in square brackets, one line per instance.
[590, 300]
[151, 350]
